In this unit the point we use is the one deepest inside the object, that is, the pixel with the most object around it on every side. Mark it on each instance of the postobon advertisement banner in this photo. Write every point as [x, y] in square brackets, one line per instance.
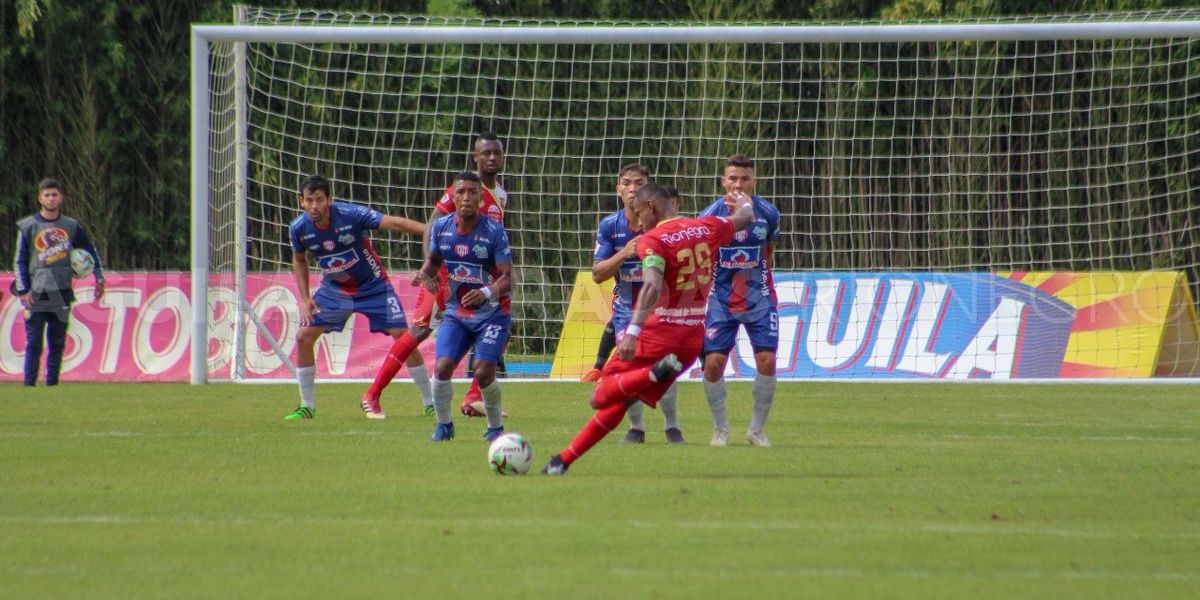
[141, 331]
[957, 326]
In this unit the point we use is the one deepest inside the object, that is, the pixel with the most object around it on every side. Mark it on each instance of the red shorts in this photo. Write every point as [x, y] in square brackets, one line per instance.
[426, 300]
[655, 342]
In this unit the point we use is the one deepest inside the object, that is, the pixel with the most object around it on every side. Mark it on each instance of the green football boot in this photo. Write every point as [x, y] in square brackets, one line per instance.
[301, 412]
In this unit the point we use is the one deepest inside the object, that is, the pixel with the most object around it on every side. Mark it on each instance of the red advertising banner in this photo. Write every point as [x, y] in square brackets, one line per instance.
[141, 331]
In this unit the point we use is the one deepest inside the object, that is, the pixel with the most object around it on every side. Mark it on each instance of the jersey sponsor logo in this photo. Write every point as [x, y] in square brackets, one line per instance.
[346, 238]
[465, 273]
[314, 247]
[337, 263]
[344, 228]
[494, 212]
[480, 251]
[308, 236]
[697, 232]
[328, 245]
[461, 250]
[52, 244]
[711, 333]
[740, 257]
[760, 232]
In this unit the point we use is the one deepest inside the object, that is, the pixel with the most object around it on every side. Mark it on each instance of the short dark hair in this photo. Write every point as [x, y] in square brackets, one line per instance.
[634, 167]
[652, 190]
[672, 192]
[316, 183]
[487, 136]
[468, 176]
[740, 160]
[48, 184]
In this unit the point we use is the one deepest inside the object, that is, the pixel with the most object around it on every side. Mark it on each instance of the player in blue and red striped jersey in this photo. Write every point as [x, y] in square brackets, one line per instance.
[743, 296]
[352, 278]
[478, 261]
[489, 161]
[616, 257]
[666, 333]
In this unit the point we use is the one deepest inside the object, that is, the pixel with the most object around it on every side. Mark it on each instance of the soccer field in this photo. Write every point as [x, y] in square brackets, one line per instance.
[871, 490]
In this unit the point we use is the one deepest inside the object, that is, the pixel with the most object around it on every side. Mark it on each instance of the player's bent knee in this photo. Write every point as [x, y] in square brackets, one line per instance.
[714, 365]
[485, 373]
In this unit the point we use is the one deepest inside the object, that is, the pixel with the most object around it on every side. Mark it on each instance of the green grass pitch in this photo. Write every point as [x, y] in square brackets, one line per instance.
[871, 490]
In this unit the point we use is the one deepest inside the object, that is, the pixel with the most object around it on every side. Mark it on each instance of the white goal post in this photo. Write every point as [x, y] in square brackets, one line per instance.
[916, 148]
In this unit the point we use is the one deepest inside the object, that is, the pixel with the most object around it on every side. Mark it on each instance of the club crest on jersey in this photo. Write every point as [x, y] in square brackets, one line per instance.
[480, 251]
[461, 250]
[741, 235]
[328, 245]
[346, 238]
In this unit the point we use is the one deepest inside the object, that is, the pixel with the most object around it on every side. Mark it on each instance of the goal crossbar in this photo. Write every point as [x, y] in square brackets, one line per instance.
[692, 35]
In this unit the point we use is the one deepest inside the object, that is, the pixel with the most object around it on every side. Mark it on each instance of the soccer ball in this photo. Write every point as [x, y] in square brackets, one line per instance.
[510, 454]
[82, 263]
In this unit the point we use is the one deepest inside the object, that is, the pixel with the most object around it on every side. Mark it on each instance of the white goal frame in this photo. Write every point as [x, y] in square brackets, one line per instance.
[203, 35]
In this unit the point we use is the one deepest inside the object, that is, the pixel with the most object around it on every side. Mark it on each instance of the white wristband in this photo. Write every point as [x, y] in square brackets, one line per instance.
[487, 292]
[633, 330]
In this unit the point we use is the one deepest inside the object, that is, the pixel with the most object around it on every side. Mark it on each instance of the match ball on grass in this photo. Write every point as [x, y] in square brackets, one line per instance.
[510, 454]
[82, 263]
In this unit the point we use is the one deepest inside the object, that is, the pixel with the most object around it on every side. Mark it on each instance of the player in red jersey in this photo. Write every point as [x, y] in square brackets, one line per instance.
[666, 333]
[489, 161]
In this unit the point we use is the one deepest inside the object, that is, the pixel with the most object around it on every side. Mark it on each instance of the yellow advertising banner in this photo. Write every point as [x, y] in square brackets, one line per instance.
[880, 325]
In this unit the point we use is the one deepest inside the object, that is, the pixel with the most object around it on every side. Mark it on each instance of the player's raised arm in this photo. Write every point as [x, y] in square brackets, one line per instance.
[403, 225]
[744, 215]
[607, 259]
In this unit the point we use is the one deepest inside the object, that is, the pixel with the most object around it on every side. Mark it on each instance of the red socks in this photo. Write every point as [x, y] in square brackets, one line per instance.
[401, 348]
[604, 421]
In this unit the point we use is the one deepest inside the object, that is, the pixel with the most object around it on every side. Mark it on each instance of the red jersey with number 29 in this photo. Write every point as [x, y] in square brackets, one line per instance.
[688, 247]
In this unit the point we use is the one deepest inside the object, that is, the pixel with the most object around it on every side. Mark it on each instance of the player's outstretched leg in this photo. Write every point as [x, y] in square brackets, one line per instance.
[620, 386]
[604, 421]
[402, 348]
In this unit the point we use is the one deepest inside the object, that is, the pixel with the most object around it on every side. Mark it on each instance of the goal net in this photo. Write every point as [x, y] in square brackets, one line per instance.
[1016, 147]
